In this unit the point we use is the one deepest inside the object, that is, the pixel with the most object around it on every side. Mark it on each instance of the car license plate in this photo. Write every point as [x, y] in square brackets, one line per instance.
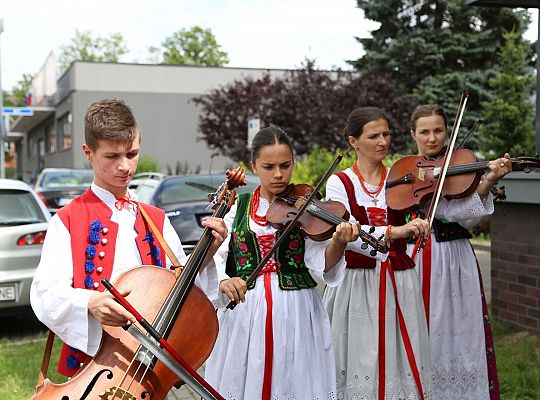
[7, 293]
[63, 202]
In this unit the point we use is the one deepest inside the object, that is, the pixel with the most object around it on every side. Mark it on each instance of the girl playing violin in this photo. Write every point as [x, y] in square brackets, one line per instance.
[379, 330]
[462, 355]
[276, 344]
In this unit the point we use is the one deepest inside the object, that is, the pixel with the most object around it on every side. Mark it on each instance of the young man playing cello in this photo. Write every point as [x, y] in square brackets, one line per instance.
[101, 234]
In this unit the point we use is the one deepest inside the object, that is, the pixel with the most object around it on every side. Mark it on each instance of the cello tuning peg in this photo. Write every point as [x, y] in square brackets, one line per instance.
[372, 253]
[380, 238]
[371, 229]
[364, 246]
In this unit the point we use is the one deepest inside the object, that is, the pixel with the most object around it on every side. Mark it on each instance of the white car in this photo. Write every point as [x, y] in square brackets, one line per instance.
[23, 225]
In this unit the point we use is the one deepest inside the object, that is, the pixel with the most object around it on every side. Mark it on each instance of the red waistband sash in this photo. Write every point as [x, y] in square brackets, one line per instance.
[387, 267]
[266, 242]
[426, 273]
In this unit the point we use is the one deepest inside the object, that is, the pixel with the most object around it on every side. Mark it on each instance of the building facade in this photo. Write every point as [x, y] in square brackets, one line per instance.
[160, 96]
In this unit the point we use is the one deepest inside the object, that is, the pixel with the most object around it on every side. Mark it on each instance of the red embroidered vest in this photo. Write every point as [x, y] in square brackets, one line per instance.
[93, 242]
[398, 248]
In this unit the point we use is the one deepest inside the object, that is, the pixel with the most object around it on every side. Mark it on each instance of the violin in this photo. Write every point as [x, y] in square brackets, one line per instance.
[412, 180]
[320, 219]
[178, 310]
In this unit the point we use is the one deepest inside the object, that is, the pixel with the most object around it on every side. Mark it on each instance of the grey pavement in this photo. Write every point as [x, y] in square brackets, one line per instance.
[484, 259]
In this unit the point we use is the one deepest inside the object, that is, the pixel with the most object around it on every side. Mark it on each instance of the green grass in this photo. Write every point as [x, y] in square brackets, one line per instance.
[518, 361]
[20, 364]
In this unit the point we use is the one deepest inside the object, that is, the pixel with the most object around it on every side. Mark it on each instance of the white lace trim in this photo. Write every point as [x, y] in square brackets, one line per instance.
[456, 382]
[292, 396]
[366, 387]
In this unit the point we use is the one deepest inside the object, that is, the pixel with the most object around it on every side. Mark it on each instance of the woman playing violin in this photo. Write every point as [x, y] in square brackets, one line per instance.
[463, 360]
[379, 330]
[275, 344]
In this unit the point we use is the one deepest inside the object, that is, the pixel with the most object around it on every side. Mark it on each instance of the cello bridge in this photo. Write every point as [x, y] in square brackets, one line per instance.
[116, 392]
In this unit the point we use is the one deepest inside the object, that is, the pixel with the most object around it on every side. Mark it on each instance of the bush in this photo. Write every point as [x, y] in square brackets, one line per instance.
[148, 164]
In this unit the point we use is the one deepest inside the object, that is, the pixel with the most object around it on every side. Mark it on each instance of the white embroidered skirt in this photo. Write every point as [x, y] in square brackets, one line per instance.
[303, 367]
[353, 307]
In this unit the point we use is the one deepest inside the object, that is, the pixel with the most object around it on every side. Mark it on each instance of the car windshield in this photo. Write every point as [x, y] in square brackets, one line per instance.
[72, 178]
[192, 188]
[18, 207]
[144, 192]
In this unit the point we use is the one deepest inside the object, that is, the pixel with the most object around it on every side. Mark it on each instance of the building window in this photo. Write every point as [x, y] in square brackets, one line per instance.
[50, 140]
[64, 132]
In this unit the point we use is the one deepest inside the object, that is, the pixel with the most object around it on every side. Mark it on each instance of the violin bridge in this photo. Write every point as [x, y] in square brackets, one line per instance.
[421, 174]
[116, 392]
[299, 202]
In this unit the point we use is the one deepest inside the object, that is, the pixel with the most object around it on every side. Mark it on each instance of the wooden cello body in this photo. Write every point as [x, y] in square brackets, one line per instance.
[193, 335]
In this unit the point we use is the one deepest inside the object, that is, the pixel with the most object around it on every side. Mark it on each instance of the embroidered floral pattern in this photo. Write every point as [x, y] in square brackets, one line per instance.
[243, 260]
[295, 252]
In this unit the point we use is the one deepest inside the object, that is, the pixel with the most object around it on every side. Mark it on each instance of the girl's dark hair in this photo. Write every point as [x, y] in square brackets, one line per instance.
[268, 137]
[427, 110]
[360, 117]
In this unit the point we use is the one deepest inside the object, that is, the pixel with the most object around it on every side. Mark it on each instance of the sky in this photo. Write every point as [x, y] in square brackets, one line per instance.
[254, 33]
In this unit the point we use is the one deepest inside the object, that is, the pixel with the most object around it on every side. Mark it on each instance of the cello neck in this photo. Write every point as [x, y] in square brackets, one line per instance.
[181, 288]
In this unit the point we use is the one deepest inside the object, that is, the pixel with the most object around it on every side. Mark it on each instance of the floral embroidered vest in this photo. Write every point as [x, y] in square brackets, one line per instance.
[93, 243]
[245, 254]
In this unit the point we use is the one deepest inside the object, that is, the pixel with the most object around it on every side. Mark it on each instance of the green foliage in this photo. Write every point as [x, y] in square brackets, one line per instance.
[19, 91]
[148, 164]
[436, 50]
[196, 46]
[509, 117]
[85, 47]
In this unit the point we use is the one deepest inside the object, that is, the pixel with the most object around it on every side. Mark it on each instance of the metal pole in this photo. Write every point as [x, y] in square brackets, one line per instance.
[2, 155]
[538, 86]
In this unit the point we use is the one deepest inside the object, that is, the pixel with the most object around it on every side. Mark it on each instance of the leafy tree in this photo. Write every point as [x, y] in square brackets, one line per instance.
[196, 46]
[19, 92]
[85, 47]
[309, 104]
[147, 164]
[509, 125]
[437, 49]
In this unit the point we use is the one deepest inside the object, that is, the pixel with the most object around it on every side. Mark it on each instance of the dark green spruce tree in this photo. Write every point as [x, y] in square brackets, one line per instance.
[437, 49]
[509, 117]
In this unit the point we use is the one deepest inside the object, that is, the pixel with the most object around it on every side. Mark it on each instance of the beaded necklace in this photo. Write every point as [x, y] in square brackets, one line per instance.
[375, 193]
[254, 205]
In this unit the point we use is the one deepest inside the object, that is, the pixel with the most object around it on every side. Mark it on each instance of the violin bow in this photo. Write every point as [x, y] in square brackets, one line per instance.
[289, 227]
[447, 157]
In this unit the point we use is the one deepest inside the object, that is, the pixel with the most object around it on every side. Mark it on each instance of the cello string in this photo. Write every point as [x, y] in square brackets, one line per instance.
[135, 375]
[118, 385]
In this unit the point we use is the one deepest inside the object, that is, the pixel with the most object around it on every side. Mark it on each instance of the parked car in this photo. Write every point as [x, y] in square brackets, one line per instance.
[144, 176]
[58, 186]
[185, 200]
[23, 224]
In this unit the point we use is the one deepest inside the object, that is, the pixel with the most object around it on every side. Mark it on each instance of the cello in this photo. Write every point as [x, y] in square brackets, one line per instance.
[179, 311]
